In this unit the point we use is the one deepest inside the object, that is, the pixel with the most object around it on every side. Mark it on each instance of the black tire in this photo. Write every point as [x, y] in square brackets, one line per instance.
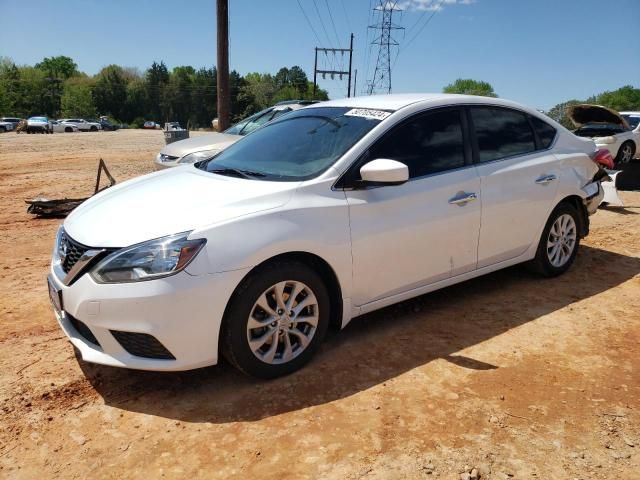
[542, 264]
[94, 128]
[626, 153]
[3, 129]
[68, 129]
[234, 338]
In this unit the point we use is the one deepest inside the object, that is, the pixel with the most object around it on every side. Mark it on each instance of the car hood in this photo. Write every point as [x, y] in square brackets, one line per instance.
[210, 141]
[585, 113]
[167, 202]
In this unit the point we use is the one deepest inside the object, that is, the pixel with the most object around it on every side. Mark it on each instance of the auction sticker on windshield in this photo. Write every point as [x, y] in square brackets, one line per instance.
[368, 113]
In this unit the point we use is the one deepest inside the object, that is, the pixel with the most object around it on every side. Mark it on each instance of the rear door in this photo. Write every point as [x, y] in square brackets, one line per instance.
[424, 231]
[518, 175]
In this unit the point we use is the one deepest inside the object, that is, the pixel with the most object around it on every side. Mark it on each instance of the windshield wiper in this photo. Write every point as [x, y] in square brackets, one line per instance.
[237, 172]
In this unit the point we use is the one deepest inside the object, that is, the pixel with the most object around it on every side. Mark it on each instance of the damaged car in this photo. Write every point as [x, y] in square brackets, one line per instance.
[608, 129]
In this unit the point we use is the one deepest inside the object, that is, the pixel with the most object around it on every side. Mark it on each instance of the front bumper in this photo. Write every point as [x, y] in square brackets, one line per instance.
[182, 312]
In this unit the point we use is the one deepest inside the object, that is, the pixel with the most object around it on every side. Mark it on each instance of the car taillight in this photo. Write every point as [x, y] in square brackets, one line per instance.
[603, 157]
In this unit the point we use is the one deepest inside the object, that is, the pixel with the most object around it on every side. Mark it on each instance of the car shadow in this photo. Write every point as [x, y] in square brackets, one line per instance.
[371, 349]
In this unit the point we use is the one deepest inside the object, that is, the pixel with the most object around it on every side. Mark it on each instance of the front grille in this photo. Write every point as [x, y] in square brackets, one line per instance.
[142, 345]
[70, 252]
[83, 330]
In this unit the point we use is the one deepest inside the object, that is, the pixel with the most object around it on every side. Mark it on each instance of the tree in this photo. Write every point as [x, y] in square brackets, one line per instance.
[467, 86]
[157, 78]
[203, 97]
[58, 67]
[624, 98]
[110, 91]
[77, 99]
[298, 79]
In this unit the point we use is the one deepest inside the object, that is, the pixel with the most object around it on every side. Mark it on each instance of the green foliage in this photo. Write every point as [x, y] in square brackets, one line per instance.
[54, 87]
[624, 98]
[77, 99]
[110, 91]
[60, 67]
[468, 86]
[137, 122]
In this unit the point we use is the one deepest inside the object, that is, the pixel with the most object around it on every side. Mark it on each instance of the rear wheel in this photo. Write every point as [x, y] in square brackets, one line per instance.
[276, 320]
[559, 242]
[626, 153]
[94, 128]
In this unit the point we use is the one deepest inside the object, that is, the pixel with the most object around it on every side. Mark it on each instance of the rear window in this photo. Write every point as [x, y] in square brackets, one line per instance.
[501, 133]
[546, 133]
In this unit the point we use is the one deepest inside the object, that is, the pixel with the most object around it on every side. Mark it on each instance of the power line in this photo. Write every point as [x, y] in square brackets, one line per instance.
[322, 23]
[309, 22]
[435, 10]
[333, 24]
[346, 16]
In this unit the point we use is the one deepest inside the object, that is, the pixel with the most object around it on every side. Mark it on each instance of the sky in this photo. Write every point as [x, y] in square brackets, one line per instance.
[538, 52]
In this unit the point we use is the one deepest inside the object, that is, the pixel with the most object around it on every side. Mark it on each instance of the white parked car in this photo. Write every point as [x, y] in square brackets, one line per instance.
[205, 146]
[331, 212]
[82, 124]
[608, 129]
[63, 127]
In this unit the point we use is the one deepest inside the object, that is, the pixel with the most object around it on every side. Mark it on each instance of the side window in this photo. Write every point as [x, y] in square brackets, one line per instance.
[501, 133]
[546, 133]
[428, 144]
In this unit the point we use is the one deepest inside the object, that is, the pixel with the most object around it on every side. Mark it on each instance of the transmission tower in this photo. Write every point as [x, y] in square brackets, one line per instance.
[381, 81]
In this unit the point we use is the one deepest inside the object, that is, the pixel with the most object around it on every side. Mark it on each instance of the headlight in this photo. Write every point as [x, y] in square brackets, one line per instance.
[197, 156]
[149, 260]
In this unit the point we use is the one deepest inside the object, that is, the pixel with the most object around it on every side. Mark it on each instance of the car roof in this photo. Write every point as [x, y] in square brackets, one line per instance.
[397, 101]
[631, 114]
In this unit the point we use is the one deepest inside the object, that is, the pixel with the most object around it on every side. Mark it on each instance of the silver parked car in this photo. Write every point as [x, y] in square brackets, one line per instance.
[193, 150]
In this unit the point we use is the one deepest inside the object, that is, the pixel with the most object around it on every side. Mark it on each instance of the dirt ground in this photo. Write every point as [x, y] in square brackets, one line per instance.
[515, 376]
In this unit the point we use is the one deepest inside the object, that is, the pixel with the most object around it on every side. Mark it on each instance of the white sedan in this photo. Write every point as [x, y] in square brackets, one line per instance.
[333, 211]
[608, 129]
[81, 124]
[63, 127]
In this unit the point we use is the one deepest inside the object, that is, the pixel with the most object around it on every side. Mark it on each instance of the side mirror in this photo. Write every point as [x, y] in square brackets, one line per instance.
[384, 172]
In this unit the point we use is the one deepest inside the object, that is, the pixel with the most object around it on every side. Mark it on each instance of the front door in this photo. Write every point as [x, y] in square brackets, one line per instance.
[426, 230]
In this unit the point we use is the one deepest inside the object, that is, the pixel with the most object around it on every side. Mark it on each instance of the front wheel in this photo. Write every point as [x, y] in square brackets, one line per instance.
[559, 242]
[276, 320]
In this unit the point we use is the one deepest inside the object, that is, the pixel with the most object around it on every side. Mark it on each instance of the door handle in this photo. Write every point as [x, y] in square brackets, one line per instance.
[545, 179]
[462, 198]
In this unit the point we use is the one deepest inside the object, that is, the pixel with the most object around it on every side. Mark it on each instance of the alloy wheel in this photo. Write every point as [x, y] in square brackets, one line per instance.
[562, 240]
[627, 152]
[282, 322]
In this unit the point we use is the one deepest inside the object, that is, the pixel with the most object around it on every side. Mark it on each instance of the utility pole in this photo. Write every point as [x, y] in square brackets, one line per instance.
[224, 95]
[350, 62]
[381, 80]
[355, 83]
[333, 73]
[315, 73]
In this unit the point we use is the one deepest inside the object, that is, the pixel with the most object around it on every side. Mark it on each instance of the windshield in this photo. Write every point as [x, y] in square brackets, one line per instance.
[256, 120]
[633, 121]
[296, 147]
[39, 119]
